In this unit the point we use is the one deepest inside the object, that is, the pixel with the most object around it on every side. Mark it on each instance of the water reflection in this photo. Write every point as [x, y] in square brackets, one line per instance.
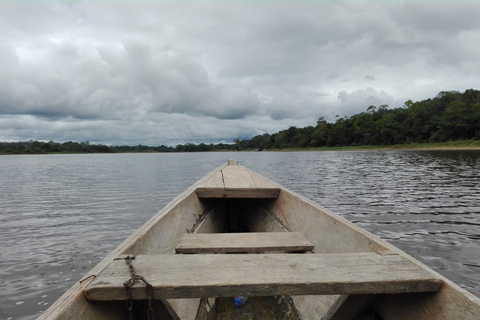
[60, 214]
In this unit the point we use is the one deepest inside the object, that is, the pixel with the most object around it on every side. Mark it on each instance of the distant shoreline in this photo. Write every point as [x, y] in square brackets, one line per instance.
[440, 146]
[463, 145]
[377, 149]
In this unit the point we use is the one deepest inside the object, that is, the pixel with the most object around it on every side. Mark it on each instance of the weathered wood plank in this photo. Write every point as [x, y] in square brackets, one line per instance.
[235, 181]
[237, 177]
[213, 275]
[271, 193]
[215, 181]
[250, 242]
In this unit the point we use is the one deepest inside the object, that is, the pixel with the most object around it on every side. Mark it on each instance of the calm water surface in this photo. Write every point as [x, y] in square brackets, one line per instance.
[61, 214]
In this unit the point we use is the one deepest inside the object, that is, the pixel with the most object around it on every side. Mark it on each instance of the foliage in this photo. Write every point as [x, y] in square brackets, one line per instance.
[449, 116]
[39, 147]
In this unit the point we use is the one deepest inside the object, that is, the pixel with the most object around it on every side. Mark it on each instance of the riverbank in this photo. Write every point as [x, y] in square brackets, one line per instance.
[451, 145]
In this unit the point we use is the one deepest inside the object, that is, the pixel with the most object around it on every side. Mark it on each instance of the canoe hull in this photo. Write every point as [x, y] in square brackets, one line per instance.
[284, 212]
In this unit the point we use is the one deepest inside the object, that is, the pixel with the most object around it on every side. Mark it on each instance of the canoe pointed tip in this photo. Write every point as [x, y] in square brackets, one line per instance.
[232, 162]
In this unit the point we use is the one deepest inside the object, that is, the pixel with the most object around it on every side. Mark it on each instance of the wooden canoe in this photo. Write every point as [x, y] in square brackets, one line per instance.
[236, 233]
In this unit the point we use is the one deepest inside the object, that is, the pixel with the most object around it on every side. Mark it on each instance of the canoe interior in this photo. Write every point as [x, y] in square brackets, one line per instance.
[286, 212]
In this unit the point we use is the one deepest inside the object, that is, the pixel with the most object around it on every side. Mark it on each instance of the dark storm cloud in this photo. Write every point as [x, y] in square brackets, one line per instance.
[164, 72]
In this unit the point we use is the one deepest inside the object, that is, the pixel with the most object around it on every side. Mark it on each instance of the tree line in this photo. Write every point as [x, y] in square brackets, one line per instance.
[39, 147]
[449, 116]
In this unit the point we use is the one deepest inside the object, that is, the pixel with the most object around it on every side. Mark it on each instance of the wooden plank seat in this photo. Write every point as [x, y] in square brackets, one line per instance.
[235, 181]
[227, 275]
[249, 242]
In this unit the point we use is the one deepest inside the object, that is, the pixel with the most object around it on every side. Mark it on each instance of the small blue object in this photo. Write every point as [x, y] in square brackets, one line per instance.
[240, 300]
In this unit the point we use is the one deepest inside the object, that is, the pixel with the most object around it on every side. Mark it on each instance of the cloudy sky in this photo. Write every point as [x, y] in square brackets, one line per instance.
[169, 72]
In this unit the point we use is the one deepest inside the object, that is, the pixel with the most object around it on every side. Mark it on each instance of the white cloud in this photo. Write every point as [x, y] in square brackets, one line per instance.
[175, 71]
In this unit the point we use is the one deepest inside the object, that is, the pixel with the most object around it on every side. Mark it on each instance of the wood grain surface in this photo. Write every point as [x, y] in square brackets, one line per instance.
[251, 242]
[226, 275]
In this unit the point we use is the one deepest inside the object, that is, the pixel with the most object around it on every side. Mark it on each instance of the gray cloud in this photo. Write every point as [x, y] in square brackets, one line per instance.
[361, 99]
[169, 72]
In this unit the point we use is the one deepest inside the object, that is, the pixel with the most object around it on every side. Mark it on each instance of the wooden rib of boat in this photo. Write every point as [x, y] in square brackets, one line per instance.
[235, 233]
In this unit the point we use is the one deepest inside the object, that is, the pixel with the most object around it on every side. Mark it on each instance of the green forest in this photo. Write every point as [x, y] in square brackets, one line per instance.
[450, 116]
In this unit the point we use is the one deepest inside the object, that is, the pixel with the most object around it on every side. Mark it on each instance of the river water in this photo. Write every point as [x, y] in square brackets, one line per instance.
[61, 214]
